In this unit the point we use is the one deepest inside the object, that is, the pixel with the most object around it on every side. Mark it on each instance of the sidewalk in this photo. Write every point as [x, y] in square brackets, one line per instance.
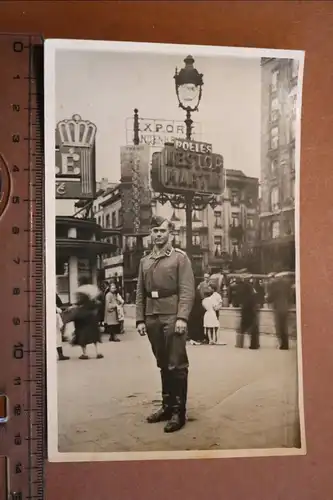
[238, 398]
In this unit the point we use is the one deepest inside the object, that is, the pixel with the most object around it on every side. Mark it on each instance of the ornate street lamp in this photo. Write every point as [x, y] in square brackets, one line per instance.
[188, 82]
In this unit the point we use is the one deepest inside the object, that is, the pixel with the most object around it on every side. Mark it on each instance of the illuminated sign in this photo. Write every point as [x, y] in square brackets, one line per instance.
[193, 146]
[187, 166]
[156, 133]
[75, 158]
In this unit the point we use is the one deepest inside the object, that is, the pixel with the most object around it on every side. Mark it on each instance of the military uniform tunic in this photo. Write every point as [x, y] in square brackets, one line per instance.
[165, 293]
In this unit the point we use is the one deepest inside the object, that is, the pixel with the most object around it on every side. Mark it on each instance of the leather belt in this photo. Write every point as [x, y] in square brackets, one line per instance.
[160, 294]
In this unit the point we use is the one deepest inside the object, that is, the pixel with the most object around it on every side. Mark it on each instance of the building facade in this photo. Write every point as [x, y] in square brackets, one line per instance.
[108, 214]
[277, 210]
[232, 225]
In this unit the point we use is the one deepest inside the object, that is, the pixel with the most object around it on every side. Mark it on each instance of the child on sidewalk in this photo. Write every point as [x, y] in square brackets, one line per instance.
[212, 303]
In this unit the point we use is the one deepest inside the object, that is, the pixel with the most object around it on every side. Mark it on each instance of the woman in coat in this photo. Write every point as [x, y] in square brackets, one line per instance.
[86, 328]
[196, 332]
[113, 314]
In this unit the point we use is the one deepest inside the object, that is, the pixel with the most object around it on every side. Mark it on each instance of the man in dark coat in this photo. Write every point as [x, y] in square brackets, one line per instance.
[248, 299]
[280, 297]
[165, 296]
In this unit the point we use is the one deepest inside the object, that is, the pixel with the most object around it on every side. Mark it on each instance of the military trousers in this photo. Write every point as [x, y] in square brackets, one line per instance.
[169, 347]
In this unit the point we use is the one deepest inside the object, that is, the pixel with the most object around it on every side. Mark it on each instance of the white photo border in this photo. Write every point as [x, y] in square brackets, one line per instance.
[50, 49]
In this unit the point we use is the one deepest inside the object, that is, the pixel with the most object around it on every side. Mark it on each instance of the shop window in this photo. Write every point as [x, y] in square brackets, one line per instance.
[250, 222]
[176, 239]
[114, 221]
[234, 198]
[196, 242]
[275, 199]
[236, 249]
[120, 218]
[275, 229]
[235, 220]
[217, 245]
[61, 266]
[218, 218]
[274, 167]
[288, 227]
[275, 77]
[274, 109]
[196, 216]
[274, 138]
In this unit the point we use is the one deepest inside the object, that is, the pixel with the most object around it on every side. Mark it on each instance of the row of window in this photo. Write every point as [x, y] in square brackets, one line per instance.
[274, 134]
[276, 230]
[289, 111]
[110, 221]
[275, 202]
[275, 75]
[275, 166]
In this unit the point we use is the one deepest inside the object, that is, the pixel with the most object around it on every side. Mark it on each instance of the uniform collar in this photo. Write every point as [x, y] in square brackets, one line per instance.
[166, 252]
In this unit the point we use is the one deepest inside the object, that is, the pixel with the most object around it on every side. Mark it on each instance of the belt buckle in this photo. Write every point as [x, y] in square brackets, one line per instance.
[154, 295]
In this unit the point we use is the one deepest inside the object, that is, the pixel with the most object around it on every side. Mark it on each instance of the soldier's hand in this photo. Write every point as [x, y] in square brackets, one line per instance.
[142, 329]
[181, 327]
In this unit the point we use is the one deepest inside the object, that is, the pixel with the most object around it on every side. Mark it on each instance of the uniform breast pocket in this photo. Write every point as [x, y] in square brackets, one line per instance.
[167, 277]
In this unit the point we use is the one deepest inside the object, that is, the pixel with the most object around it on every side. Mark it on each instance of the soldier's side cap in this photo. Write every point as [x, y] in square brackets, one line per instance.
[157, 221]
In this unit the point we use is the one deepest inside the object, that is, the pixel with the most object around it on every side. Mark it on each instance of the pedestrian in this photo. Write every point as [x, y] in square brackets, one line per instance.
[59, 327]
[212, 303]
[280, 296]
[249, 322]
[196, 330]
[114, 312]
[165, 296]
[84, 314]
[257, 284]
[101, 298]
[89, 289]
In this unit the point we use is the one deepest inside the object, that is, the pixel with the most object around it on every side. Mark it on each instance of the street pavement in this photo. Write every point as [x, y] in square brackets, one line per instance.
[238, 398]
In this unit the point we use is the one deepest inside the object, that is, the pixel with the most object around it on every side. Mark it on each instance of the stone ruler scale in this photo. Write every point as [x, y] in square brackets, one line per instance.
[22, 385]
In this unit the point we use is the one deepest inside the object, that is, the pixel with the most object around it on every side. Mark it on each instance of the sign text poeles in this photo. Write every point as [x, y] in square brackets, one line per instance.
[193, 146]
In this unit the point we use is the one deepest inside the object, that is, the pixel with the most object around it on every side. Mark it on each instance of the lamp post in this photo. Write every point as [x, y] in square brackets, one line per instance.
[188, 83]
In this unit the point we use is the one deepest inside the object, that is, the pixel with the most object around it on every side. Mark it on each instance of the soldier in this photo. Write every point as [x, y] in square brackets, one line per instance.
[165, 296]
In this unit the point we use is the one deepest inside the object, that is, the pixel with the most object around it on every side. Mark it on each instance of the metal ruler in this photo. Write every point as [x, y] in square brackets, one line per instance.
[22, 364]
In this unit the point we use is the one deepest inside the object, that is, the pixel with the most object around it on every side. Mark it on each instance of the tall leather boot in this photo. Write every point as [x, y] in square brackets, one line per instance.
[165, 412]
[179, 391]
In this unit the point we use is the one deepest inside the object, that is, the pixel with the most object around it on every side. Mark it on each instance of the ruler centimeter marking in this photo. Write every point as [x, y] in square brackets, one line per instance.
[22, 258]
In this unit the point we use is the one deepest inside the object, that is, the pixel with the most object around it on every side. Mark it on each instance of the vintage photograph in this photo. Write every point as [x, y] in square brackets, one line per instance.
[172, 251]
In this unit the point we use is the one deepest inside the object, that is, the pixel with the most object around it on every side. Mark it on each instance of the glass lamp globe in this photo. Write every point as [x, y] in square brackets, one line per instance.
[189, 95]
